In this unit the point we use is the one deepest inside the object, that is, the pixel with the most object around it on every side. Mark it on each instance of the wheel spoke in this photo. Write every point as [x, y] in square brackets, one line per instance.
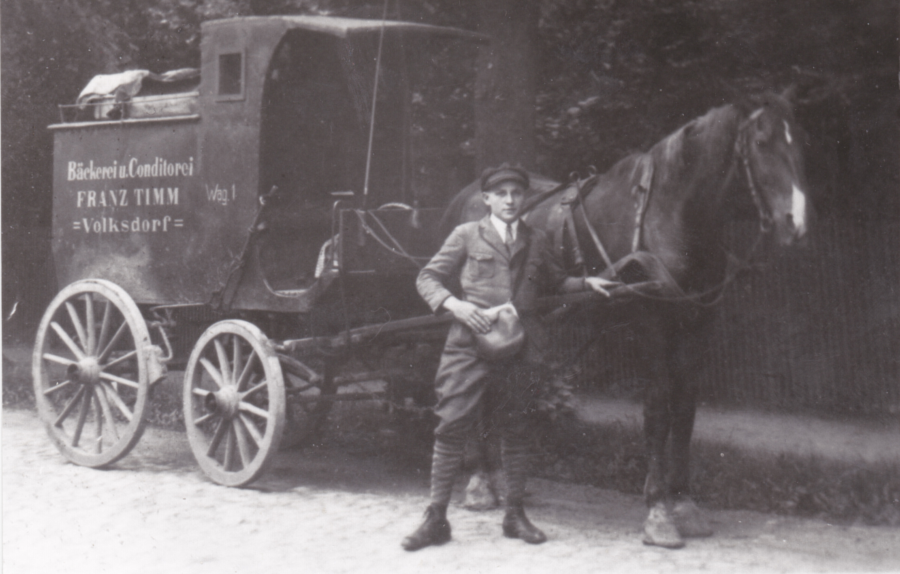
[98, 422]
[247, 371]
[242, 444]
[55, 388]
[252, 390]
[91, 324]
[121, 359]
[79, 328]
[253, 409]
[117, 400]
[203, 419]
[236, 366]
[112, 342]
[213, 372]
[68, 408]
[57, 359]
[228, 463]
[104, 325]
[79, 354]
[120, 380]
[82, 415]
[224, 363]
[217, 437]
[251, 428]
[201, 392]
[107, 412]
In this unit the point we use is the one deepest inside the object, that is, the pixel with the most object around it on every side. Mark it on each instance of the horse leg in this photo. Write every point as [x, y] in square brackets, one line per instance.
[683, 361]
[659, 527]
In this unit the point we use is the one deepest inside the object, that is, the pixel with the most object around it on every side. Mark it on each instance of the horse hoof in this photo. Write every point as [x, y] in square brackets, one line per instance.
[690, 520]
[480, 494]
[660, 530]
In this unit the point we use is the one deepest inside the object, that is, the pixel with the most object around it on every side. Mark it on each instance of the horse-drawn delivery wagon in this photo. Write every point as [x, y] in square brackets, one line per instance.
[262, 225]
[280, 189]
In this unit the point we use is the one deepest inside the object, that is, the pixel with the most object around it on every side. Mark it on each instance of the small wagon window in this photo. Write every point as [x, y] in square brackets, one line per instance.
[231, 75]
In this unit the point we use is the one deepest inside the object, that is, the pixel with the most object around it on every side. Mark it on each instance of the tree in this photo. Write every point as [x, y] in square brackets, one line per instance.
[505, 84]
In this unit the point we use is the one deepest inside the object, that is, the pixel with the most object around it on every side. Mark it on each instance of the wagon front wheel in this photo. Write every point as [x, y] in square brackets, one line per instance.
[90, 374]
[234, 402]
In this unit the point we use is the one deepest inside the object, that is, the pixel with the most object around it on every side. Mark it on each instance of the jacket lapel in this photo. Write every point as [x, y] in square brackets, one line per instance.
[491, 237]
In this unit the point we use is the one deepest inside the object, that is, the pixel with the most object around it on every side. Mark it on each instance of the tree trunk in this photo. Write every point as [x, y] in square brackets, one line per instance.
[505, 84]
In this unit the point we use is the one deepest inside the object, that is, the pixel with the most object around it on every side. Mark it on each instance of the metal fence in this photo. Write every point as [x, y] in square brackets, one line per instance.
[814, 329]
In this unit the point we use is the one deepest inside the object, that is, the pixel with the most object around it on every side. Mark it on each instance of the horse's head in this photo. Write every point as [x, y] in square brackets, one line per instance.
[769, 144]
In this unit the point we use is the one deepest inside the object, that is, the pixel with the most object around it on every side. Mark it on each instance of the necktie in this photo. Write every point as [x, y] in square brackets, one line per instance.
[509, 237]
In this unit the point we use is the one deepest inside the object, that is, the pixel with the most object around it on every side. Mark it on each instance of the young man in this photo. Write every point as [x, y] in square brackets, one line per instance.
[496, 260]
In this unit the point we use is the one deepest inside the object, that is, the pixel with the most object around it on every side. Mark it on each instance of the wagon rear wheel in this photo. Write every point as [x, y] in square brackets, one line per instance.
[90, 374]
[234, 402]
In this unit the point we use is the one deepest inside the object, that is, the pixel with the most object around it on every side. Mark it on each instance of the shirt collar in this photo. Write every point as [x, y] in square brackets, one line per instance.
[500, 226]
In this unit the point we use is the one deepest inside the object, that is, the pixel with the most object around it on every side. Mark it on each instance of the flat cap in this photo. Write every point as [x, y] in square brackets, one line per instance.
[494, 176]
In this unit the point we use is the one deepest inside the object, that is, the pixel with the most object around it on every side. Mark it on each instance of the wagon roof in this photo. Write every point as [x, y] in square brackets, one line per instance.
[341, 27]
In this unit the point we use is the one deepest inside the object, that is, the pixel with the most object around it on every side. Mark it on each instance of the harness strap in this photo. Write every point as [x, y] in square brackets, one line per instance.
[643, 189]
[597, 243]
[569, 227]
[576, 200]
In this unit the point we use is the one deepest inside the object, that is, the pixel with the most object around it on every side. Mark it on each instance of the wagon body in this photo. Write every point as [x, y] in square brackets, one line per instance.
[258, 187]
[257, 223]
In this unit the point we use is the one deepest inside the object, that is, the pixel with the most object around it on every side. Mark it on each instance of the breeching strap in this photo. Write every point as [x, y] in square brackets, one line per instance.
[597, 243]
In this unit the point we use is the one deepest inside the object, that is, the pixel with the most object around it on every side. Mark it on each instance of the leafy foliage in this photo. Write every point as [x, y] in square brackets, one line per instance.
[613, 77]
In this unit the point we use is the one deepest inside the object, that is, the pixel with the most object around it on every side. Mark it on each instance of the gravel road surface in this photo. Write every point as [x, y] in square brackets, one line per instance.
[327, 510]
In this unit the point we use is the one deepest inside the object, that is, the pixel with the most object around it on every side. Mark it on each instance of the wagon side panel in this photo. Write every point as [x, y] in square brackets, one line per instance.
[126, 196]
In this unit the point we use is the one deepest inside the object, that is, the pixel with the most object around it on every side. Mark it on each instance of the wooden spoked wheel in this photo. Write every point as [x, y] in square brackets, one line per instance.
[90, 374]
[234, 402]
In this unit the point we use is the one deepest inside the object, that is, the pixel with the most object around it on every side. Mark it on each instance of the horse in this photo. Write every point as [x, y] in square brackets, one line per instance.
[659, 217]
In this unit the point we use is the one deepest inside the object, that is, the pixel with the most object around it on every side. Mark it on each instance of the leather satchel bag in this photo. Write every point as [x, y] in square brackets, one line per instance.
[506, 336]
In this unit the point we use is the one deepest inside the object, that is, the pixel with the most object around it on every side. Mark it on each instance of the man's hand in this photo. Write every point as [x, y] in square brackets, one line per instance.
[600, 284]
[468, 314]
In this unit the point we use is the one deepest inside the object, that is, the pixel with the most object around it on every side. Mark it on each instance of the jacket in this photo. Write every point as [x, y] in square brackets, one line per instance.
[488, 274]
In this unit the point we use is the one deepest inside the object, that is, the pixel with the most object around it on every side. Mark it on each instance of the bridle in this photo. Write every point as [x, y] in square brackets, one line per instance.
[741, 149]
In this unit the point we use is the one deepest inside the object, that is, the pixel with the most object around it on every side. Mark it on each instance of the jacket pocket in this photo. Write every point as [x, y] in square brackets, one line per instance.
[480, 265]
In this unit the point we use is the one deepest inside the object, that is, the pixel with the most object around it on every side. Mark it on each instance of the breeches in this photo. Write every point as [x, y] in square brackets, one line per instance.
[468, 387]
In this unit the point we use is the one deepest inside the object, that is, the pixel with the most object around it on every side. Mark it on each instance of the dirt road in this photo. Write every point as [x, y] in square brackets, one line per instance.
[336, 511]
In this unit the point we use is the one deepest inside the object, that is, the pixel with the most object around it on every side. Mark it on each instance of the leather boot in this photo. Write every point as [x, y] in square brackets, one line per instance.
[434, 530]
[517, 525]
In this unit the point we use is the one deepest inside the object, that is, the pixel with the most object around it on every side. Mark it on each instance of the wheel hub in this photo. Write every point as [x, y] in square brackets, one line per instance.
[224, 402]
[86, 371]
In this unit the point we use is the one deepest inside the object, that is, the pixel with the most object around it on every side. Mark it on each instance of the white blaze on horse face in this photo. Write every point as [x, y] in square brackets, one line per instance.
[798, 210]
[787, 135]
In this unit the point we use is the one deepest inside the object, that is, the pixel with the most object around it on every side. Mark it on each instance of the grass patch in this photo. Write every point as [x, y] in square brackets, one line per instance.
[613, 457]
